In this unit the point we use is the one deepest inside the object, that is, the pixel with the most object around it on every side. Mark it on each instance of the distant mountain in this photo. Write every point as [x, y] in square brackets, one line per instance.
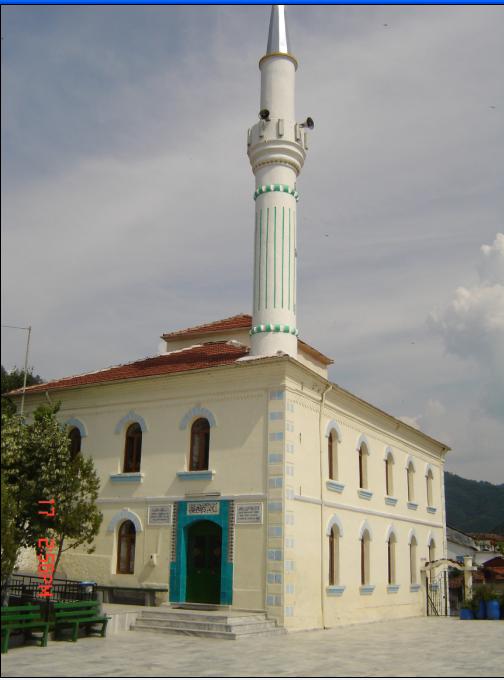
[499, 529]
[474, 506]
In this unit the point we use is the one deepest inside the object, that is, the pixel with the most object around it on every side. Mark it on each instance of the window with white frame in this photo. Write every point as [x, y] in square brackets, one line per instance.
[413, 561]
[334, 562]
[429, 479]
[389, 476]
[332, 454]
[410, 479]
[363, 472]
[391, 558]
[365, 557]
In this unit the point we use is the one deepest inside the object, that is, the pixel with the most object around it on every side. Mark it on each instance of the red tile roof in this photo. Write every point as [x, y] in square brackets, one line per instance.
[209, 355]
[228, 324]
[237, 322]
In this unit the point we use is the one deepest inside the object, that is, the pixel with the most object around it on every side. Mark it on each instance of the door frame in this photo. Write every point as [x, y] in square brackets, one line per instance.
[178, 566]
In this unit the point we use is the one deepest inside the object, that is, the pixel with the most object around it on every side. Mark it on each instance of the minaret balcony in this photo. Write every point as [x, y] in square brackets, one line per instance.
[267, 146]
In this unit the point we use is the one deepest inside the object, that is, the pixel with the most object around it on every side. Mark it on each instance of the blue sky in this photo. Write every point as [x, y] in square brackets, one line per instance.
[127, 196]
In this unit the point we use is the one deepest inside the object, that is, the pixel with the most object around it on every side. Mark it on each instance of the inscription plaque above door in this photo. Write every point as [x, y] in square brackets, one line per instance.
[203, 508]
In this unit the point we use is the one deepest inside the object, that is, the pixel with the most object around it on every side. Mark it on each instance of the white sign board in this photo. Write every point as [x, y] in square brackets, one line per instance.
[248, 513]
[160, 514]
[203, 508]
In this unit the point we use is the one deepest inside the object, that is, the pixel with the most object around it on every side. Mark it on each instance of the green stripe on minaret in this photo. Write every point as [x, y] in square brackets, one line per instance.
[295, 265]
[283, 235]
[274, 262]
[260, 259]
[289, 258]
[284, 188]
[267, 239]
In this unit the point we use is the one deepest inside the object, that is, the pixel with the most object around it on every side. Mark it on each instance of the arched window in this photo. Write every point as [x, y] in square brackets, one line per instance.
[363, 454]
[75, 442]
[126, 548]
[389, 478]
[133, 448]
[429, 481]
[410, 475]
[200, 444]
[365, 562]
[334, 538]
[391, 559]
[413, 561]
[332, 452]
[432, 550]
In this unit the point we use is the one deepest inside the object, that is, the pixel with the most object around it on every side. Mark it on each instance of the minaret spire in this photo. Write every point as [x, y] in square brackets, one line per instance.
[277, 149]
[278, 37]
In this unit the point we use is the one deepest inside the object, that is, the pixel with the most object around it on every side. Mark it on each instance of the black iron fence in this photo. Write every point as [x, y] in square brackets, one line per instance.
[23, 588]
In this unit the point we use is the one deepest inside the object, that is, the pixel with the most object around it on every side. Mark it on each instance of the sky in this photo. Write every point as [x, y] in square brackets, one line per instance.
[127, 205]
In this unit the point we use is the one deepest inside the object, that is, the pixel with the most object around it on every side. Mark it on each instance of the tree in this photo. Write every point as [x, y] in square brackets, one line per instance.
[37, 465]
[10, 537]
[13, 380]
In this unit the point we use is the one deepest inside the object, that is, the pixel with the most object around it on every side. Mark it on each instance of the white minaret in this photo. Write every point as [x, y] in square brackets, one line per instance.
[276, 149]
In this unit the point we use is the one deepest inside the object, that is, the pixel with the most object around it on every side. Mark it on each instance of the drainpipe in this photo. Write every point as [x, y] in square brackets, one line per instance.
[322, 532]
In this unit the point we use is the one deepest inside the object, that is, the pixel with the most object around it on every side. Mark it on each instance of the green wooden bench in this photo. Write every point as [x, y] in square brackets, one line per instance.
[74, 614]
[26, 617]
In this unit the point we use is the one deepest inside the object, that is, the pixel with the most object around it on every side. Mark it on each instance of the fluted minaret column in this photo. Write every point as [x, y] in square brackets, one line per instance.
[276, 149]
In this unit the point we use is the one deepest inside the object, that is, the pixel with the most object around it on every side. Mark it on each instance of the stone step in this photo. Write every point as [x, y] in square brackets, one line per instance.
[196, 616]
[192, 624]
[226, 635]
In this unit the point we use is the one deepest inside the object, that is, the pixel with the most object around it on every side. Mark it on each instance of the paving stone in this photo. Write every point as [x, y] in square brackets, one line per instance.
[422, 647]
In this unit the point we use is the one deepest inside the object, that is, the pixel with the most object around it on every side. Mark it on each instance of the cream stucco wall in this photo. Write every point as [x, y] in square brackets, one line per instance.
[268, 444]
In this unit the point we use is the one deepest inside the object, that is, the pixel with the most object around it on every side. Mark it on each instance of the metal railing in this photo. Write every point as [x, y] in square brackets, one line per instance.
[26, 588]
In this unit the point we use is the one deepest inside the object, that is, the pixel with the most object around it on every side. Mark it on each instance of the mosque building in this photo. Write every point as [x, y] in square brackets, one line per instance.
[233, 471]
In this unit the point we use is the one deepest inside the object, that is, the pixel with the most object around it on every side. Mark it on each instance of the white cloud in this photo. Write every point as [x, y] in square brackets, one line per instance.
[472, 325]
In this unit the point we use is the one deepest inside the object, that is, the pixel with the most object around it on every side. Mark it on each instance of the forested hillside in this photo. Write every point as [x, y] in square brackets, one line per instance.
[474, 506]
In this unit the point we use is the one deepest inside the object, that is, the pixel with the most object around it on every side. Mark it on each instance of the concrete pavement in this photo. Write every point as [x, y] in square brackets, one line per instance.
[421, 647]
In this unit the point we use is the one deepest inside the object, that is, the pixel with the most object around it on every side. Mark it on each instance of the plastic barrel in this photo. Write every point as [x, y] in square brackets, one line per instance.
[466, 614]
[493, 610]
[481, 611]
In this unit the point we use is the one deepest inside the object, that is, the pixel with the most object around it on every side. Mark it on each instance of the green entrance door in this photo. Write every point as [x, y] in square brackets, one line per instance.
[204, 551]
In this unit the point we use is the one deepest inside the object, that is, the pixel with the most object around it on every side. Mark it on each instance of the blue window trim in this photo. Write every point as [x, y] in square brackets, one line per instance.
[335, 591]
[431, 509]
[412, 506]
[195, 474]
[393, 588]
[332, 485]
[414, 587]
[178, 568]
[366, 590]
[390, 500]
[127, 477]
[130, 417]
[197, 412]
[75, 422]
[365, 494]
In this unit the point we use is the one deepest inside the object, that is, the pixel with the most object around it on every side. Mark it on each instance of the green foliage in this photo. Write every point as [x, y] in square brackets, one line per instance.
[13, 380]
[37, 466]
[485, 592]
[473, 506]
[10, 538]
